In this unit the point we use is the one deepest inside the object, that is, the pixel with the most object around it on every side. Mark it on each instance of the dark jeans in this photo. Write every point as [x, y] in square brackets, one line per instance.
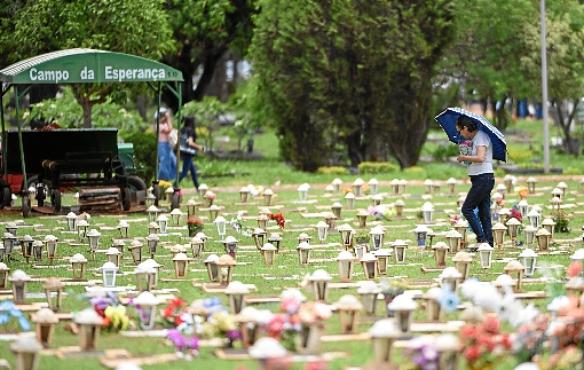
[479, 196]
[189, 165]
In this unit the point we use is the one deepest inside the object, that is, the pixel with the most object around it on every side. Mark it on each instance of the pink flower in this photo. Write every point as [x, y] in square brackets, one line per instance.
[575, 269]
[276, 326]
[290, 305]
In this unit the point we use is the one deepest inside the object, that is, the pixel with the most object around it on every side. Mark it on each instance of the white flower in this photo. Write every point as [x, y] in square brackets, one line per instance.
[469, 288]
[487, 297]
[509, 309]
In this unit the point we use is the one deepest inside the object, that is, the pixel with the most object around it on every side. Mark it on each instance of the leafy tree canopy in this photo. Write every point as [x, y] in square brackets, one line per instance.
[137, 27]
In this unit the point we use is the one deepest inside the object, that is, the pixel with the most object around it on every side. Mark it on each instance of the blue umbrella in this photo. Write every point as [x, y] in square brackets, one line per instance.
[447, 121]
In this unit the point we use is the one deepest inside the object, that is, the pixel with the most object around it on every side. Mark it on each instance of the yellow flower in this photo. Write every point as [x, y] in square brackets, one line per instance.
[223, 321]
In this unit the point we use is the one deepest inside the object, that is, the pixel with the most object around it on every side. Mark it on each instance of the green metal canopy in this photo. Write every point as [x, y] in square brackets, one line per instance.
[80, 65]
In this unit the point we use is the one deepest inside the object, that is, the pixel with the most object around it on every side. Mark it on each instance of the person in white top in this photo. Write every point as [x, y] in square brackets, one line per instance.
[480, 170]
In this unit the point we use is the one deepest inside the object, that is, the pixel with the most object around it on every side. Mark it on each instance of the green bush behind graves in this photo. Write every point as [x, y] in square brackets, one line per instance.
[377, 167]
[333, 170]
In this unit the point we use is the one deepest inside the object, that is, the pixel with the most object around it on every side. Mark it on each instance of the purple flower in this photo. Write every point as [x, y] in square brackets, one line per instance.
[233, 335]
[425, 357]
[180, 342]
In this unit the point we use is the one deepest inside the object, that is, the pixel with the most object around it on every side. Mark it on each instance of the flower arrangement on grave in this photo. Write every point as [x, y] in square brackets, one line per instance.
[185, 343]
[287, 325]
[380, 212]
[185, 328]
[566, 335]
[299, 324]
[195, 225]
[562, 220]
[515, 213]
[362, 237]
[453, 219]
[163, 185]
[211, 320]
[424, 354]
[112, 311]
[221, 324]
[529, 338]
[279, 218]
[391, 289]
[172, 313]
[236, 222]
[448, 299]
[483, 343]
[312, 317]
[11, 318]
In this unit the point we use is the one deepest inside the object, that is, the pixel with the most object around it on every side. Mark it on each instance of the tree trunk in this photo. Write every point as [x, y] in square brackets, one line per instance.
[353, 142]
[142, 107]
[87, 107]
[493, 103]
[502, 118]
[407, 131]
[571, 145]
[209, 65]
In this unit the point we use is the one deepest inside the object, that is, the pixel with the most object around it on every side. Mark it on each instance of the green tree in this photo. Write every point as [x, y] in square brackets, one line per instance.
[204, 31]
[138, 27]
[351, 74]
[486, 55]
[565, 54]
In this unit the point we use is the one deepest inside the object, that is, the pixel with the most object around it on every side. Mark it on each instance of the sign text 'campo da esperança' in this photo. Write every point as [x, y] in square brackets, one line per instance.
[110, 74]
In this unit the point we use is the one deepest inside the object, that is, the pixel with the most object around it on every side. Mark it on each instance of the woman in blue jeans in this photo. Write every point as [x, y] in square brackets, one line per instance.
[188, 149]
[480, 170]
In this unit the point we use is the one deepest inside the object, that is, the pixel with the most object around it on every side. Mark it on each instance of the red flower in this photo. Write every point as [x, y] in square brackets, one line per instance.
[491, 324]
[276, 326]
[506, 341]
[279, 218]
[469, 332]
[472, 353]
[194, 220]
[516, 214]
[487, 341]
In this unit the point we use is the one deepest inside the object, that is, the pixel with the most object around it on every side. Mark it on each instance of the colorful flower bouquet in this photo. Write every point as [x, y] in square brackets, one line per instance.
[465, 148]
[390, 289]
[299, 324]
[483, 342]
[112, 311]
[380, 212]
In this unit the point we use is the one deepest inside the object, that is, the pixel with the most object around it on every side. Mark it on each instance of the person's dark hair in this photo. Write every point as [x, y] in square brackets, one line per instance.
[189, 121]
[189, 126]
[464, 121]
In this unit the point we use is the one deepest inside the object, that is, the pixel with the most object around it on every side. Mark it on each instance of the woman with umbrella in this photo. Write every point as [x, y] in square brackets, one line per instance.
[480, 170]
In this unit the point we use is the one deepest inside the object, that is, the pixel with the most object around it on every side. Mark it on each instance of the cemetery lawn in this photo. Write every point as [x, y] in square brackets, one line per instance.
[270, 280]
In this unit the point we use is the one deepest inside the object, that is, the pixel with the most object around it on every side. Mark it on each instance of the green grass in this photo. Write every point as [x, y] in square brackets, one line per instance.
[287, 272]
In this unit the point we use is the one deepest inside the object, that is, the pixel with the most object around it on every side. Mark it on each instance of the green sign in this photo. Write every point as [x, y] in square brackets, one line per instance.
[87, 66]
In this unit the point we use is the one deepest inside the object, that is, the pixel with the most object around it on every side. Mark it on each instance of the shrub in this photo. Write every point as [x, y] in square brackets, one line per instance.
[377, 167]
[572, 171]
[499, 172]
[362, 237]
[144, 152]
[443, 152]
[519, 155]
[333, 170]
[415, 170]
